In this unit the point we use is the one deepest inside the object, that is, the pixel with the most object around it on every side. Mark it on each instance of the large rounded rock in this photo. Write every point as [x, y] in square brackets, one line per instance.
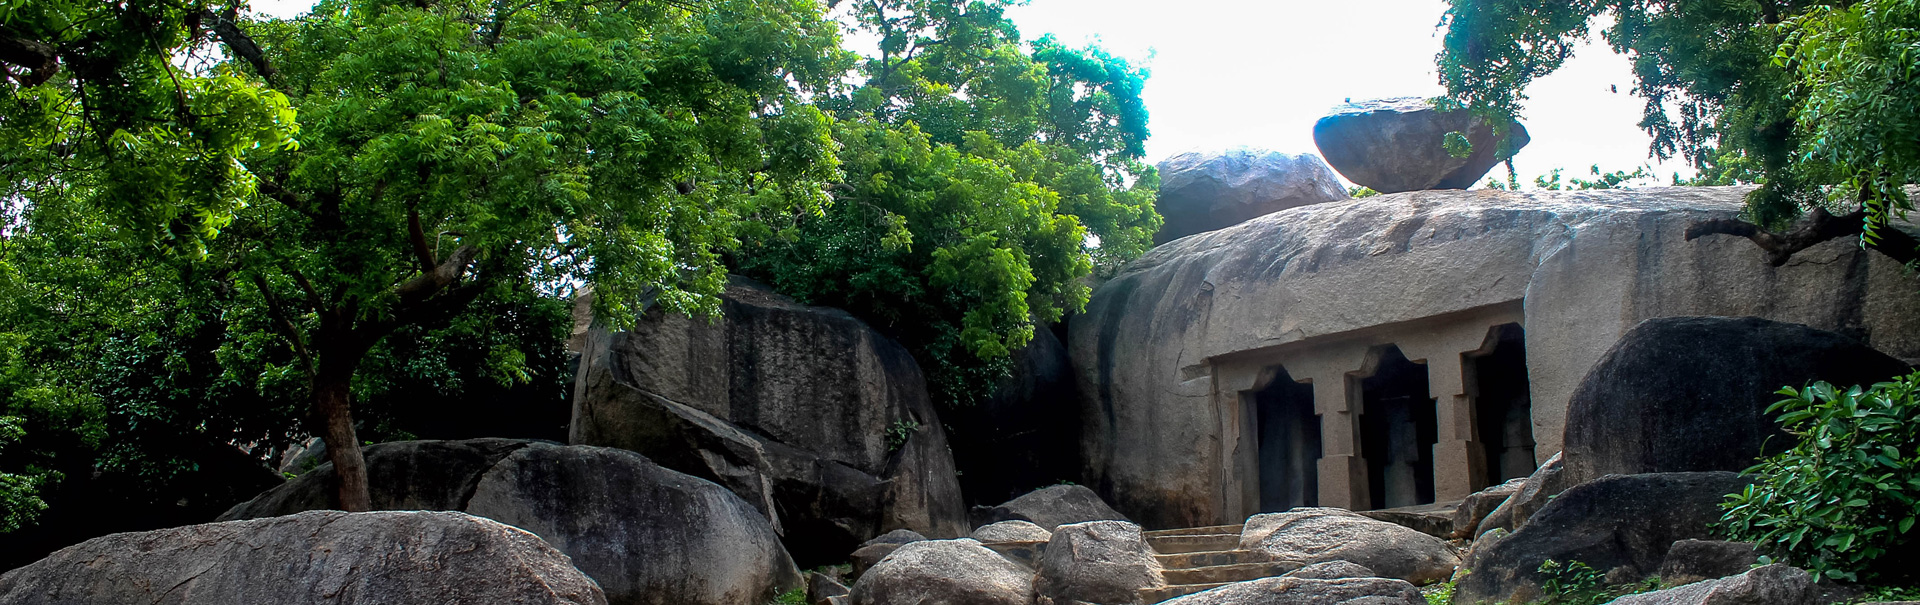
[1399, 144]
[1096, 562]
[1691, 393]
[1050, 507]
[1330, 583]
[1011, 531]
[648, 534]
[1621, 525]
[800, 410]
[324, 557]
[1769, 585]
[1205, 191]
[1317, 535]
[945, 572]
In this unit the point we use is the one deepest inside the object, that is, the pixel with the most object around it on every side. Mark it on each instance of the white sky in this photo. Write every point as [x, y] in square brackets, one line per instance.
[1260, 72]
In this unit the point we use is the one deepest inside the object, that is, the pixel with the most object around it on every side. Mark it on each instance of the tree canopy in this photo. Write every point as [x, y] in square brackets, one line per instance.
[1815, 101]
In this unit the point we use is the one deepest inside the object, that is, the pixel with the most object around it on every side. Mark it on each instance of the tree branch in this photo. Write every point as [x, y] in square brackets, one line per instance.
[278, 312]
[40, 59]
[228, 31]
[418, 237]
[1816, 227]
[428, 283]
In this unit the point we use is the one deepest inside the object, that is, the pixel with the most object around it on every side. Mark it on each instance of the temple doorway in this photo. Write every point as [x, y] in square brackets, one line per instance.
[1398, 428]
[1503, 408]
[1289, 434]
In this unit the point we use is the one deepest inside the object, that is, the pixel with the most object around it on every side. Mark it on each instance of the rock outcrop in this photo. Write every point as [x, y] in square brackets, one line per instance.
[1477, 507]
[1690, 561]
[1318, 535]
[1205, 191]
[787, 405]
[1106, 562]
[1398, 144]
[1545, 483]
[1691, 393]
[322, 557]
[1050, 507]
[1330, 583]
[1026, 435]
[645, 533]
[1621, 525]
[1770, 585]
[1168, 347]
[945, 572]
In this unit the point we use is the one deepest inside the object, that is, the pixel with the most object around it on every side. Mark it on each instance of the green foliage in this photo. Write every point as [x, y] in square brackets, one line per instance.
[797, 596]
[984, 179]
[19, 500]
[1576, 583]
[1848, 492]
[899, 432]
[1357, 192]
[1438, 594]
[1457, 145]
[1814, 100]
[1552, 180]
[1886, 594]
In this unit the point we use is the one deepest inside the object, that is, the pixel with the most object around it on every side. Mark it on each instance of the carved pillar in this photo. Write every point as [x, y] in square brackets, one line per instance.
[1459, 465]
[1343, 473]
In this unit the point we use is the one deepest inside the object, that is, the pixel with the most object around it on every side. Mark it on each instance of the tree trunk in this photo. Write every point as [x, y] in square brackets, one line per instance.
[333, 398]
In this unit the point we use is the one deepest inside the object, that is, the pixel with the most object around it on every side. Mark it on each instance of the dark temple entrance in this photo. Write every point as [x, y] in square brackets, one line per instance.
[1398, 428]
[1503, 408]
[1289, 444]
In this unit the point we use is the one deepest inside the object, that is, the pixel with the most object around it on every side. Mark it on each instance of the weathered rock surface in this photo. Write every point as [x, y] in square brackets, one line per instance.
[1012, 531]
[1395, 145]
[1431, 519]
[1691, 393]
[1690, 561]
[326, 557]
[1050, 507]
[821, 588]
[1318, 535]
[1477, 507]
[1535, 491]
[1024, 436]
[1096, 562]
[1205, 191]
[1330, 583]
[1622, 525]
[1770, 585]
[787, 405]
[1159, 350]
[645, 533]
[945, 572]
[898, 536]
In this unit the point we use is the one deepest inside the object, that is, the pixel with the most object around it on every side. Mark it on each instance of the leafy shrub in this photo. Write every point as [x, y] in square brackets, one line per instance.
[1849, 491]
[1576, 583]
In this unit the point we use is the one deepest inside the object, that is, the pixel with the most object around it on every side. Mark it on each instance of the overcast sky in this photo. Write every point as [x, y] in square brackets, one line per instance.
[1260, 72]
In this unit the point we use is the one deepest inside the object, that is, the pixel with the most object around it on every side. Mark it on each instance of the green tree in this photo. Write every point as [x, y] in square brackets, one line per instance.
[443, 150]
[986, 178]
[1814, 100]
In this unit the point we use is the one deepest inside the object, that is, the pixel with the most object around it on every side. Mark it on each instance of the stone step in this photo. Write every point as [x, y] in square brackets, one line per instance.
[1190, 531]
[1176, 544]
[1210, 558]
[1228, 573]
[1167, 593]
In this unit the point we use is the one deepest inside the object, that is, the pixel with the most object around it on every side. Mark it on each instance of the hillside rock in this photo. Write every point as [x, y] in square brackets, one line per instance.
[1096, 562]
[1319, 535]
[1024, 436]
[945, 572]
[787, 405]
[1166, 347]
[1011, 531]
[323, 557]
[1050, 507]
[1691, 393]
[1395, 145]
[1621, 525]
[625, 521]
[1480, 505]
[1205, 191]
[1690, 561]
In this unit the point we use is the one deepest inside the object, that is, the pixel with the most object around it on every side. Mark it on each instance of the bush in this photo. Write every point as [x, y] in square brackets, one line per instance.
[1848, 492]
[1576, 583]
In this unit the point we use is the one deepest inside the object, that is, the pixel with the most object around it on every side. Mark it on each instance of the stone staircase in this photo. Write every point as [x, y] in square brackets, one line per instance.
[1202, 558]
